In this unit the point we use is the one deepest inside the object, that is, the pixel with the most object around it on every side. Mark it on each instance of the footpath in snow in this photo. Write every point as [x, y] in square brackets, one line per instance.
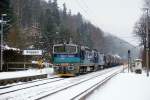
[124, 86]
[30, 72]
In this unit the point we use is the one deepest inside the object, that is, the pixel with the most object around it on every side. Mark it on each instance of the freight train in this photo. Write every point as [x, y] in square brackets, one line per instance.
[71, 60]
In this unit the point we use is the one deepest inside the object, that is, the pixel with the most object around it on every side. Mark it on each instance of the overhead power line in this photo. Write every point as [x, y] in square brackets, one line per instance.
[84, 9]
[81, 7]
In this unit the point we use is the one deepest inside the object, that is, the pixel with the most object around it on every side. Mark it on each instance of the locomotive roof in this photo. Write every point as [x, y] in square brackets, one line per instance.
[64, 44]
[85, 48]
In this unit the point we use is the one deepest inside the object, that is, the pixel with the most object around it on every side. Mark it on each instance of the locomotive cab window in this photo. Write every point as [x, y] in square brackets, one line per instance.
[65, 49]
[71, 49]
[59, 49]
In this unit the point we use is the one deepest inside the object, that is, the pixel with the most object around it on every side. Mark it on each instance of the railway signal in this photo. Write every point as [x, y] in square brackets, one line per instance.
[147, 39]
[129, 60]
[2, 24]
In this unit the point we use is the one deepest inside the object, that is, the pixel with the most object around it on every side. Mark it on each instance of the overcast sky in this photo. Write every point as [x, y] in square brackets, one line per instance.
[114, 16]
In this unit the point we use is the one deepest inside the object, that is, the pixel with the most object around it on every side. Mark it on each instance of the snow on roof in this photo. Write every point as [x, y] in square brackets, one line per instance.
[137, 59]
[117, 56]
[85, 48]
[6, 47]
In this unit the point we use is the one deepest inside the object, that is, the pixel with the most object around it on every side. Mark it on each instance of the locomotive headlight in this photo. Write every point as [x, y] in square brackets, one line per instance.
[71, 68]
[71, 64]
[57, 64]
[56, 68]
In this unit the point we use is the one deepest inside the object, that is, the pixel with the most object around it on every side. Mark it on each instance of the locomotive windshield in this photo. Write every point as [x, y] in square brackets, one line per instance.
[65, 49]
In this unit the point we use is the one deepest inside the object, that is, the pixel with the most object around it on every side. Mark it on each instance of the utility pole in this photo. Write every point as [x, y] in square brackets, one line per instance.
[147, 41]
[2, 23]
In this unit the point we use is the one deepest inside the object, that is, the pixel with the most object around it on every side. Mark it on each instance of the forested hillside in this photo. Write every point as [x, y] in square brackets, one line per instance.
[39, 24]
[42, 24]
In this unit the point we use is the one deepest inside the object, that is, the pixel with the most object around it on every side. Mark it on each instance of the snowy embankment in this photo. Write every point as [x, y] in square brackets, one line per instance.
[124, 86]
[30, 72]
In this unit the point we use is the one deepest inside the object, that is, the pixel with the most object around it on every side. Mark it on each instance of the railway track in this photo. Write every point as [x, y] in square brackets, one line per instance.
[21, 79]
[88, 91]
[75, 92]
[17, 84]
[52, 89]
[28, 85]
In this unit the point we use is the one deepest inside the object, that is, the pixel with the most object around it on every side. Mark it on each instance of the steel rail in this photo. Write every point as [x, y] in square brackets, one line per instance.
[86, 92]
[4, 87]
[31, 86]
[71, 85]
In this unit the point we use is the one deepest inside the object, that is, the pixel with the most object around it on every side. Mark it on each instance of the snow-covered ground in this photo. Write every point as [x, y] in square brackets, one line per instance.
[124, 86]
[30, 72]
[78, 85]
